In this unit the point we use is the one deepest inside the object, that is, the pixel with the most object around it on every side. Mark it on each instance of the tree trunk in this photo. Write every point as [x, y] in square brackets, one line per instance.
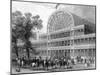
[16, 50]
[28, 53]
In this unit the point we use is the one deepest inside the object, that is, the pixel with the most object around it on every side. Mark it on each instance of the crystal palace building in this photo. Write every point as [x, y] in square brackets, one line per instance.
[67, 35]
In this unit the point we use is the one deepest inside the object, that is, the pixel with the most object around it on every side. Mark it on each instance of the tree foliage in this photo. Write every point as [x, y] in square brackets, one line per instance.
[22, 25]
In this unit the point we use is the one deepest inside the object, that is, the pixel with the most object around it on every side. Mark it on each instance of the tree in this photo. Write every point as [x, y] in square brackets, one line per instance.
[22, 25]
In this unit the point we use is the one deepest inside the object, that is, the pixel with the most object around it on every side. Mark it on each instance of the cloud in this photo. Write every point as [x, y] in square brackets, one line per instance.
[46, 9]
[87, 12]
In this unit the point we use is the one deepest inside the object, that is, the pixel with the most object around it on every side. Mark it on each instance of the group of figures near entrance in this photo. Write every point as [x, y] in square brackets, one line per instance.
[49, 64]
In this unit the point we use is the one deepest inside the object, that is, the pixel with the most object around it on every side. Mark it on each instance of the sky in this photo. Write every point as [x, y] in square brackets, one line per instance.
[45, 10]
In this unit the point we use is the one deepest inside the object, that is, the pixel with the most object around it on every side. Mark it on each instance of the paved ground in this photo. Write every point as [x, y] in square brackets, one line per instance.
[75, 67]
[25, 71]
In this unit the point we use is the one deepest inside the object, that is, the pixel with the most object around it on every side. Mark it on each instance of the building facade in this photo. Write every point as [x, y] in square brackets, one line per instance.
[68, 36]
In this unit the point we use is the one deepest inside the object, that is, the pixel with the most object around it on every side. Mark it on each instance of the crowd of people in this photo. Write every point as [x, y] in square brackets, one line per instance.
[51, 63]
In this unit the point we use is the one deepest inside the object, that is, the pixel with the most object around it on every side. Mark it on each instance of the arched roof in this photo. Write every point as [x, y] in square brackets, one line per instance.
[61, 19]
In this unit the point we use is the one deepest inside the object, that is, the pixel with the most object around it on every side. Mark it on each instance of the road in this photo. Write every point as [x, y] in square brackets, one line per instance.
[74, 67]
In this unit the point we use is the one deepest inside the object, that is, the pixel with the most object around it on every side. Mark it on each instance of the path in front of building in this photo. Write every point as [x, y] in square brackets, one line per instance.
[22, 70]
[75, 67]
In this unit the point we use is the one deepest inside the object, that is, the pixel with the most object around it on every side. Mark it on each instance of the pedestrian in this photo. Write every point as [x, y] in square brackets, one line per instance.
[18, 64]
